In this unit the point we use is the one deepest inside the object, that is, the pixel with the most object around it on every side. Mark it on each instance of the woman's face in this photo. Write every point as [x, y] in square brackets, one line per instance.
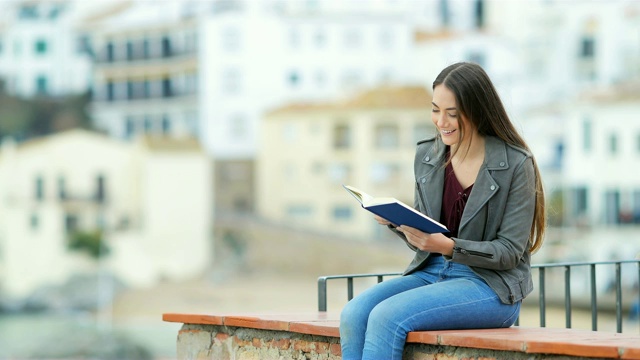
[446, 117]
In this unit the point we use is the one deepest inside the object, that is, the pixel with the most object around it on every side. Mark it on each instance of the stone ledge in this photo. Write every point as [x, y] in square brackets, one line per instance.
[320, 331]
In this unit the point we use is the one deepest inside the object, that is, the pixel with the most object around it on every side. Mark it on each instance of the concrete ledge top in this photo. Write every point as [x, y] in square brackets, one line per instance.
[570, 342]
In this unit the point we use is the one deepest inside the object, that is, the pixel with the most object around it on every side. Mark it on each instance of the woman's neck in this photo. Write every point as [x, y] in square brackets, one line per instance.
[469, 150]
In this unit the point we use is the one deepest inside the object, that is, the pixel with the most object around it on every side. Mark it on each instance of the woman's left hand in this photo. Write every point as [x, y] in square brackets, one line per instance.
[428, 242]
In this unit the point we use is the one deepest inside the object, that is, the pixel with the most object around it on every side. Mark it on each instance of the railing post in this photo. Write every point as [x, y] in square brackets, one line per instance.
[542, 304]
[349, 288]
[619, 297]
[567, 296]
[322, 293]
[594, 299]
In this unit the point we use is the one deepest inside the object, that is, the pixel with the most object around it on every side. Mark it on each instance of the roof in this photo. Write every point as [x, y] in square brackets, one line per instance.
[165, 143]
[623, 92]
[385, 97]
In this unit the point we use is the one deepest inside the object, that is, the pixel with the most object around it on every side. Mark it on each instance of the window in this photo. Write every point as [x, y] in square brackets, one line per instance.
[581, 199]
[62, 188]
[421, 131]
[70, 222]
[166, 46]
[613, 144]
[299, 211]
[289, 132]
[40, 47]
[130, 127]
[28, 11]
[294, 78]
[479, 13]
[342, 213]
[111, 52]
[34, 221]
[339, 173]
[239, 127]
[587, 47]
[294, 37]
[83, 44]
[231, 81]
[167, 90]
[586, 135]
[166, 124]
[351, 78]
[230, 39]
[612, 207]
[42, 85]
[383, 172]
[386, 38]
[444, 13]
[148, 124]
[352, 38]
[111, 91]
[39, 188]
[386, 137]
[477, 57]
[342, 137]
[146, 49]
[101, 188]
[320, 38]
[129, 50]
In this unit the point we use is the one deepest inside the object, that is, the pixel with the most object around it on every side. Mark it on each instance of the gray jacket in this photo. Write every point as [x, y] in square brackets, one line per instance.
[493, 237]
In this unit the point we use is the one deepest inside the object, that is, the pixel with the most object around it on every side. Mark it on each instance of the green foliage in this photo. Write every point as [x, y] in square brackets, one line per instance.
[555, 208]
[27, 118]
[89, 241]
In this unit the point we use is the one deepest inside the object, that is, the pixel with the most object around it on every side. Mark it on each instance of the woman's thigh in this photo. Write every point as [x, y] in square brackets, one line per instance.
[460, 303]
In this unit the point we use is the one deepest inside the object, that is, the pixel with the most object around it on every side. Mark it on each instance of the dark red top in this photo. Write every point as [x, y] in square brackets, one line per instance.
[454, 199]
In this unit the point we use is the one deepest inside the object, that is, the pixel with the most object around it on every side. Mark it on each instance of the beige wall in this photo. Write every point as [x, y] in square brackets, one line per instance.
[298, 166]
[157, 212]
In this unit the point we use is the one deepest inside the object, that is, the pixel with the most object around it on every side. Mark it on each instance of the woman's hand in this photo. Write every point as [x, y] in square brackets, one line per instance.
[437, 243]
[382, 221]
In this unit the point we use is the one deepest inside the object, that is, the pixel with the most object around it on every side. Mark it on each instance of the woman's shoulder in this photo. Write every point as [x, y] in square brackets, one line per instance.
[428, 141]
[511, 149]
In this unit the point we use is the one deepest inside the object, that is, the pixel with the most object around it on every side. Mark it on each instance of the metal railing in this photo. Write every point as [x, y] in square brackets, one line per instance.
[542, 270]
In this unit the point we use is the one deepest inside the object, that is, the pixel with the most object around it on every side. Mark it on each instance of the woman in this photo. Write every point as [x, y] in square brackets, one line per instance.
[478, 178]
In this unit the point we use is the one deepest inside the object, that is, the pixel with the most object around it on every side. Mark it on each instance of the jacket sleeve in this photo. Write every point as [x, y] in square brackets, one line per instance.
[512, 236]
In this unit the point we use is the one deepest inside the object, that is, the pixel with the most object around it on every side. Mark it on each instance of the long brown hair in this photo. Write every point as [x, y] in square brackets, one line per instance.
[477, 101]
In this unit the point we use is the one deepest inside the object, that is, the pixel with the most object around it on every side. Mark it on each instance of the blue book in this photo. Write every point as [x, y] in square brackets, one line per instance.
[397, 212]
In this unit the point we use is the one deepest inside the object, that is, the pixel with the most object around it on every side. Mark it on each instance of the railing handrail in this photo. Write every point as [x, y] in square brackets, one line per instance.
[322, 287]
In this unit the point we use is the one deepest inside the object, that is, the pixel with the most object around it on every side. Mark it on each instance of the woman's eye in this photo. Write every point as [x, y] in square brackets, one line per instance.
[453, 115]
[434, 110]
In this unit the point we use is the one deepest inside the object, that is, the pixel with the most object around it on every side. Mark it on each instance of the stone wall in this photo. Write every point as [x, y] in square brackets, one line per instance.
[227, 342]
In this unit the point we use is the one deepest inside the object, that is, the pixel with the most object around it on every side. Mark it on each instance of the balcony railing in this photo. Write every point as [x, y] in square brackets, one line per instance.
[542, 270]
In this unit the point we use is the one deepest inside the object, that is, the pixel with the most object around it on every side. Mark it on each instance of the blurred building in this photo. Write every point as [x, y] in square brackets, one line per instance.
[150, 199]
[41, 53]
[308, 150]
[601, 183]
[146, 69]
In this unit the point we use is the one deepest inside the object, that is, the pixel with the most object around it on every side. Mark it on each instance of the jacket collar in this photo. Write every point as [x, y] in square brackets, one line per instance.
[495, 156]
[484, 188]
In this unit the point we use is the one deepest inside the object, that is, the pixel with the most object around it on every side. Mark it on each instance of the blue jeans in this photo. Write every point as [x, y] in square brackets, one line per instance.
[442, 296]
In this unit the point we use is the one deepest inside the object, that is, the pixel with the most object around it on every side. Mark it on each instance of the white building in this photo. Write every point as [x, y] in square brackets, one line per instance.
[41, 53]
[151, 199]
[601, 158]
[256, 56]
[146, 70]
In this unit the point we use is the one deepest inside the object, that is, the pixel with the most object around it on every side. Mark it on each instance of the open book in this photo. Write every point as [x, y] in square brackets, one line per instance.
[397, 212]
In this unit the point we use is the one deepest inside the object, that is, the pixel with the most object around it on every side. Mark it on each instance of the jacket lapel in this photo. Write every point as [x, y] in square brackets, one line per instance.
[485, 186]
[431, 183]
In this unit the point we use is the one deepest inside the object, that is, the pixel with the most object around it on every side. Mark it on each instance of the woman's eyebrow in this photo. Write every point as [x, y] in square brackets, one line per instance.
[449, 108]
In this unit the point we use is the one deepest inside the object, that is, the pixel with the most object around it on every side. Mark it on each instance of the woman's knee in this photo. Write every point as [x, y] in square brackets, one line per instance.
[352, 313]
